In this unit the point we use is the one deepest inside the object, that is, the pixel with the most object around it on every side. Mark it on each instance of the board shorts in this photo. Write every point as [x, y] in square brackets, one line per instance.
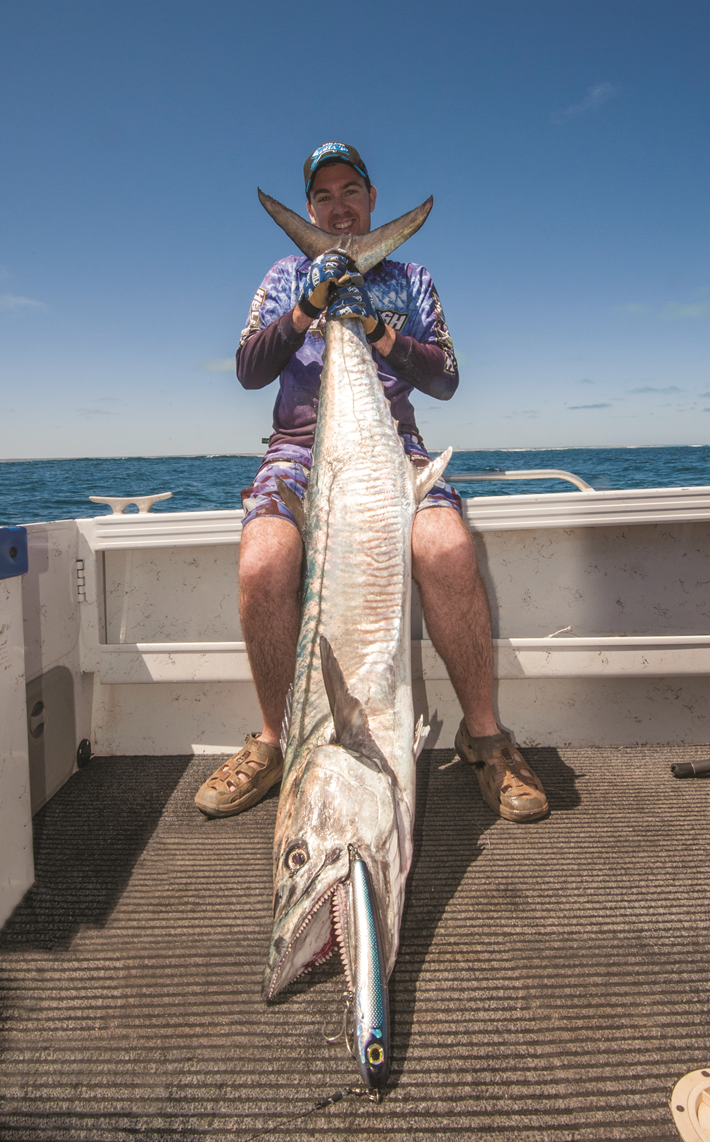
[292, 463]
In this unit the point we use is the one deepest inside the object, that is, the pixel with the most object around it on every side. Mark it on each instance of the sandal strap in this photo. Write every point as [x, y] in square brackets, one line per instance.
[508, 782]
[252, 752]
[498, 745]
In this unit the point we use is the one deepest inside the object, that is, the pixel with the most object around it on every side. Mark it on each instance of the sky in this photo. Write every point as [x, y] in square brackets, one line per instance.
[565, 143]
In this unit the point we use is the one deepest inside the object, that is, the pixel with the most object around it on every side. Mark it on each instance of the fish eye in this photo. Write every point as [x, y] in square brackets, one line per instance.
[374, 1054]
[296, 857]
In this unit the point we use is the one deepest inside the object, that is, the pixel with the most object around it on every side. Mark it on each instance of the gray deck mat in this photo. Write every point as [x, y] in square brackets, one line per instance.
[552, 983]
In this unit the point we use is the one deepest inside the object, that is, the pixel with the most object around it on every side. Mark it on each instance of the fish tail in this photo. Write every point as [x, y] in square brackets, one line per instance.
[366, 250]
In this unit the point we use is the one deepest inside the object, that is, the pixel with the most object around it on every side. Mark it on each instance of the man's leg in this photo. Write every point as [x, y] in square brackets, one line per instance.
[456, 611]
[458, 620]
[270, 559]
[269, 607]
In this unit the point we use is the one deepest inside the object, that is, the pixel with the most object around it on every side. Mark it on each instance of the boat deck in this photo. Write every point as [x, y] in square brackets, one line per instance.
[552, 983]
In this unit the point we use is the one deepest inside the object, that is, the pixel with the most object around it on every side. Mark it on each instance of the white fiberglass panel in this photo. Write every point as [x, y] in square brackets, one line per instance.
[172, 594]
[16, 863]
[621, 581]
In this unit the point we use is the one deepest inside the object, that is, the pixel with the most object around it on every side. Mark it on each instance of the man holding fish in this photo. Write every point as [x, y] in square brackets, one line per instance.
[405, 327]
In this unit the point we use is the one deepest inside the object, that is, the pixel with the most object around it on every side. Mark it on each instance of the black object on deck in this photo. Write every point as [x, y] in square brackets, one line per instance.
[552, 983]
[691, 768]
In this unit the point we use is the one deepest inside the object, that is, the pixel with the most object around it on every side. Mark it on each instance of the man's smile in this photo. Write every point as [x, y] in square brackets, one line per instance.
[340, 202]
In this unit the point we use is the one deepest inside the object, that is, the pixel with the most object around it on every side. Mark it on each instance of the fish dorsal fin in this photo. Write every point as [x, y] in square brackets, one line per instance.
[351, 727]
[286, 722]
[425, 478]
[421, 733]
[366, 250]
[293, 503]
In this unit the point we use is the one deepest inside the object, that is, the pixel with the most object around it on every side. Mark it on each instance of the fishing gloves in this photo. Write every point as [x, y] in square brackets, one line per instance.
[354, 300]
[322, 288]
[321, 283]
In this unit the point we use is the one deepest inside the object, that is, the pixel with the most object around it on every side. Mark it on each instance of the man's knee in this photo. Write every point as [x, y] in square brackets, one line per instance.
[270, 556]
[441, 542]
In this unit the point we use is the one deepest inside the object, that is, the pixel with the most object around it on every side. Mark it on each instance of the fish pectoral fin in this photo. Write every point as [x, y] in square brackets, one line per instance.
[286, 720]
[352, 729]
[293, 503]
[421, 733]
[425, 478]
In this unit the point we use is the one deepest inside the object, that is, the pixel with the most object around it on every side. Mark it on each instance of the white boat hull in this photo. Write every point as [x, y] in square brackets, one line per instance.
[147, 623]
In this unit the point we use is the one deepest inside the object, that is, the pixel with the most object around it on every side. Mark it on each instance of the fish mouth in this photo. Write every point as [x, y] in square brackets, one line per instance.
[326, 928]
[317, 934]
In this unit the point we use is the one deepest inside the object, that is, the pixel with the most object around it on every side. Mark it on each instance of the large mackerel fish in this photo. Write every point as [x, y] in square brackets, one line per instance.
[343, 843]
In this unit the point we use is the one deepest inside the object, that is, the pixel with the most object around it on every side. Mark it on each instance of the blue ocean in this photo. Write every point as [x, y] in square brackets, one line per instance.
[37, 490]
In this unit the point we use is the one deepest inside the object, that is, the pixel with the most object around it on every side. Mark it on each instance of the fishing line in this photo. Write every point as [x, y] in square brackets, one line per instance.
[320, 1104]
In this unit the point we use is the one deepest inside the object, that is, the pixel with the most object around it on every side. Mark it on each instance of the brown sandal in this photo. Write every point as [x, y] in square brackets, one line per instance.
[223, 794]
[510, 786]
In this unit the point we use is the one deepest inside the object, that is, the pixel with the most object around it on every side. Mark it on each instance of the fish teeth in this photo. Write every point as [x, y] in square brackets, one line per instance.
[313, 911]
[322, 957]
[338, 905]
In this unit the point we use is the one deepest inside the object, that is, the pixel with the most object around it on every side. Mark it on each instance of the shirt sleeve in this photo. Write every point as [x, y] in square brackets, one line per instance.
[425, 359]
[269, 340]
[423, 366]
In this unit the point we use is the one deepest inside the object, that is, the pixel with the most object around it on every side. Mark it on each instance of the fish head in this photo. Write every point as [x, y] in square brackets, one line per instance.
[342, 801]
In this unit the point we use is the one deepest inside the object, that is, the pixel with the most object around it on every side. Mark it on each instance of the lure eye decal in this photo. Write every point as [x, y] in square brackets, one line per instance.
[296, 857]
[374, 1054]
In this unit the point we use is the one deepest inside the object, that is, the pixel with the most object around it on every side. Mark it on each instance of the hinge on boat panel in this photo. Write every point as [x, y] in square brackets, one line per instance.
[80, 580]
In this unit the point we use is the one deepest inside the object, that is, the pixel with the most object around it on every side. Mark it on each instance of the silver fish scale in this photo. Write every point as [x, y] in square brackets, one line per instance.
[358, 574]
[361, 503]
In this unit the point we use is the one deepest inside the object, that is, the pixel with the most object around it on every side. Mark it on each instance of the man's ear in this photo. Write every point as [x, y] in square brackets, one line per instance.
[309, 208]
[373, 198]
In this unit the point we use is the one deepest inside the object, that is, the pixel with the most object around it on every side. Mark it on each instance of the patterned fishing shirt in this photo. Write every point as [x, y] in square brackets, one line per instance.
[422, 356]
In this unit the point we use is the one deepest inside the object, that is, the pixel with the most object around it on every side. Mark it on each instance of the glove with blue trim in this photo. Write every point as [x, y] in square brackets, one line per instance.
[321, 283]
[354, 300]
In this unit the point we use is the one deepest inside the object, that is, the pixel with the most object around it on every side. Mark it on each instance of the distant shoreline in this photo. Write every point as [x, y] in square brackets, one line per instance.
[244, 455]
[137, 456]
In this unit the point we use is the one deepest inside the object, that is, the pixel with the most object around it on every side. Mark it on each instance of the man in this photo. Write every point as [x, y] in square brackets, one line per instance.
[405, 325]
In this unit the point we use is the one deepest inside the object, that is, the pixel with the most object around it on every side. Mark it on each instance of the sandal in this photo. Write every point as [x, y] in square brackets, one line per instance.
[223, 794]
[509, 785]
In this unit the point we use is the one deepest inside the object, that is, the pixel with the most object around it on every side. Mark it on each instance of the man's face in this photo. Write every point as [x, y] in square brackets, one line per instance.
[340, 202]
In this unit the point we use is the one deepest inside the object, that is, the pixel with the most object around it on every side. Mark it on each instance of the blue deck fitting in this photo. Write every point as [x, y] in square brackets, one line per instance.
[13, 551]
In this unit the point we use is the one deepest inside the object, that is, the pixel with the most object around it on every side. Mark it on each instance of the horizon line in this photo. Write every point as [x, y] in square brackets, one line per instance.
[244, 455]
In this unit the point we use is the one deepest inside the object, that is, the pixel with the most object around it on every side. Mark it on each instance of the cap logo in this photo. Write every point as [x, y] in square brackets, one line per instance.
[328, 149]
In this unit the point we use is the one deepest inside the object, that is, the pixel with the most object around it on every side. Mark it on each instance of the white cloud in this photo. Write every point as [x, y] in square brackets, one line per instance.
[653, 389]
[596, 97]
[632, 307]
[218, 365]
[531, 413]
[10, 301]
[92, 412]
[577, 407]
[673, 311]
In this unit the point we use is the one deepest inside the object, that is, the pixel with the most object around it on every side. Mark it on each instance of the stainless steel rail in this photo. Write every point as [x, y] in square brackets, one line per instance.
[521, 474]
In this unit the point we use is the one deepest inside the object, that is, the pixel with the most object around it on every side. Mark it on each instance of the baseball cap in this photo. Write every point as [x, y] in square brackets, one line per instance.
[333, 153]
